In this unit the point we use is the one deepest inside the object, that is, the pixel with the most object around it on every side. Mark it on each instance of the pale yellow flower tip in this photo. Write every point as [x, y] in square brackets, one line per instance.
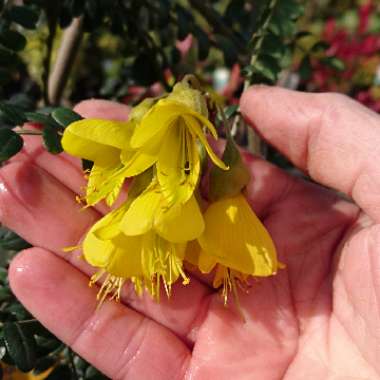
[235, 238]
[97, 140]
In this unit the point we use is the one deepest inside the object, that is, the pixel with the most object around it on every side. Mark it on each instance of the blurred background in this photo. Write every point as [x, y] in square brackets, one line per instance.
[54, 54]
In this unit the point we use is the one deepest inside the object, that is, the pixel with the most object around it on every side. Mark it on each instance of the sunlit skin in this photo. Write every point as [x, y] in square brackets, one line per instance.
[317, 319]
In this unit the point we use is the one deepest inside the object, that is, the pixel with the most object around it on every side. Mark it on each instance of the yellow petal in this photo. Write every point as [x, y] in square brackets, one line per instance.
[196, 129]
[136, 162]
[104, 182]
[154, 124]
[125, 260]
[97, 140]
[197, 257]
[236, 238]
[106, 132]
[95, 251]
[140, 216]
[178, 165]
[182, 223]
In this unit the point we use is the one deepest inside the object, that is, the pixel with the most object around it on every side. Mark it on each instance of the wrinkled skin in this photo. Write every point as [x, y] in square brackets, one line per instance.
[317, 319]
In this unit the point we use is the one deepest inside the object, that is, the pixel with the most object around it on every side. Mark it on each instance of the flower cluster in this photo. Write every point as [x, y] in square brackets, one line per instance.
[165, 222]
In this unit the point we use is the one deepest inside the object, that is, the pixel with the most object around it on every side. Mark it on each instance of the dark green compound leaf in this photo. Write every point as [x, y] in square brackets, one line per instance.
[11, 114]
[268, 67]
[12, 39]
[20, 345]
[41, 118]
[23, 16]
[10, 144]
[65, 116]
[52, 140]
[10, 240]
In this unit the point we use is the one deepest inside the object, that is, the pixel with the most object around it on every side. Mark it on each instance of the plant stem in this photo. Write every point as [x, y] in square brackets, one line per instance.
[27, 132]
[52, 17]
[255, 143]
[66, 56]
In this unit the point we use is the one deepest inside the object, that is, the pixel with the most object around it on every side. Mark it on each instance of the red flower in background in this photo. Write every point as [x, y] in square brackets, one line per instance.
[359, 50]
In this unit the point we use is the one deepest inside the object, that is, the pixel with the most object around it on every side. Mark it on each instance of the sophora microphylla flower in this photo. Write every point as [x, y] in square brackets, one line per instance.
[235, 242]
[148, 239]
[140, 241]
[102, 142]
[169, 133]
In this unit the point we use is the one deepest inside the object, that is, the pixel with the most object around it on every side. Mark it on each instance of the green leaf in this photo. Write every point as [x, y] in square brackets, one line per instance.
[305, 69]
[23, 16]
[334, 63]
[10, 144]
[65, 116]
[52, 140]
[11, 114]
[93, 374]
[45, 120]
[10, 240]
[273, 46]
[12, 39]
[268, 67]
[5, 294]
[59, 373]
[20, 345]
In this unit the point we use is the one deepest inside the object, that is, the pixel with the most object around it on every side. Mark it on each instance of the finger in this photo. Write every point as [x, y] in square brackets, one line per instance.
[331, 137]
[102, 109]
[119, 341]
[35, 205]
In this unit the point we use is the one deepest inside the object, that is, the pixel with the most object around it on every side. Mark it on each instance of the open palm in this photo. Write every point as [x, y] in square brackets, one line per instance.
[317, 319]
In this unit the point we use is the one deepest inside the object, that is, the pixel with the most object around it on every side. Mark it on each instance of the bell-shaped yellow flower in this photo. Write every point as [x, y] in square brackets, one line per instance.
[236, 242]
[147, 259]
[169, 133]
[103, 141]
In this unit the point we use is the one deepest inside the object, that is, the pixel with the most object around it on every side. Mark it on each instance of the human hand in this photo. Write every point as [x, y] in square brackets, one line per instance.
[316, 319]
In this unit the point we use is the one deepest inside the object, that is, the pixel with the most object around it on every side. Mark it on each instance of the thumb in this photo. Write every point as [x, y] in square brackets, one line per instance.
[331, 137]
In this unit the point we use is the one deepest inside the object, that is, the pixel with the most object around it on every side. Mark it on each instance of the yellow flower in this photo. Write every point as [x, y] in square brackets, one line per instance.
[103, 141]
[142, 241]
[168, 134]
[236, 242]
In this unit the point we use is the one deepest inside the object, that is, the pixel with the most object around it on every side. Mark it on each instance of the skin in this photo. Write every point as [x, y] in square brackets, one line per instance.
[316, 319]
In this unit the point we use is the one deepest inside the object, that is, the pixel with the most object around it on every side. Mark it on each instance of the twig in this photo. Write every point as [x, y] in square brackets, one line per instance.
[255, 143]
[66, 56]
[52, 17]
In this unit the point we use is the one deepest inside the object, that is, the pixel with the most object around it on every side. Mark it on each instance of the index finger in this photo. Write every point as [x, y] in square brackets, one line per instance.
[333, 138]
